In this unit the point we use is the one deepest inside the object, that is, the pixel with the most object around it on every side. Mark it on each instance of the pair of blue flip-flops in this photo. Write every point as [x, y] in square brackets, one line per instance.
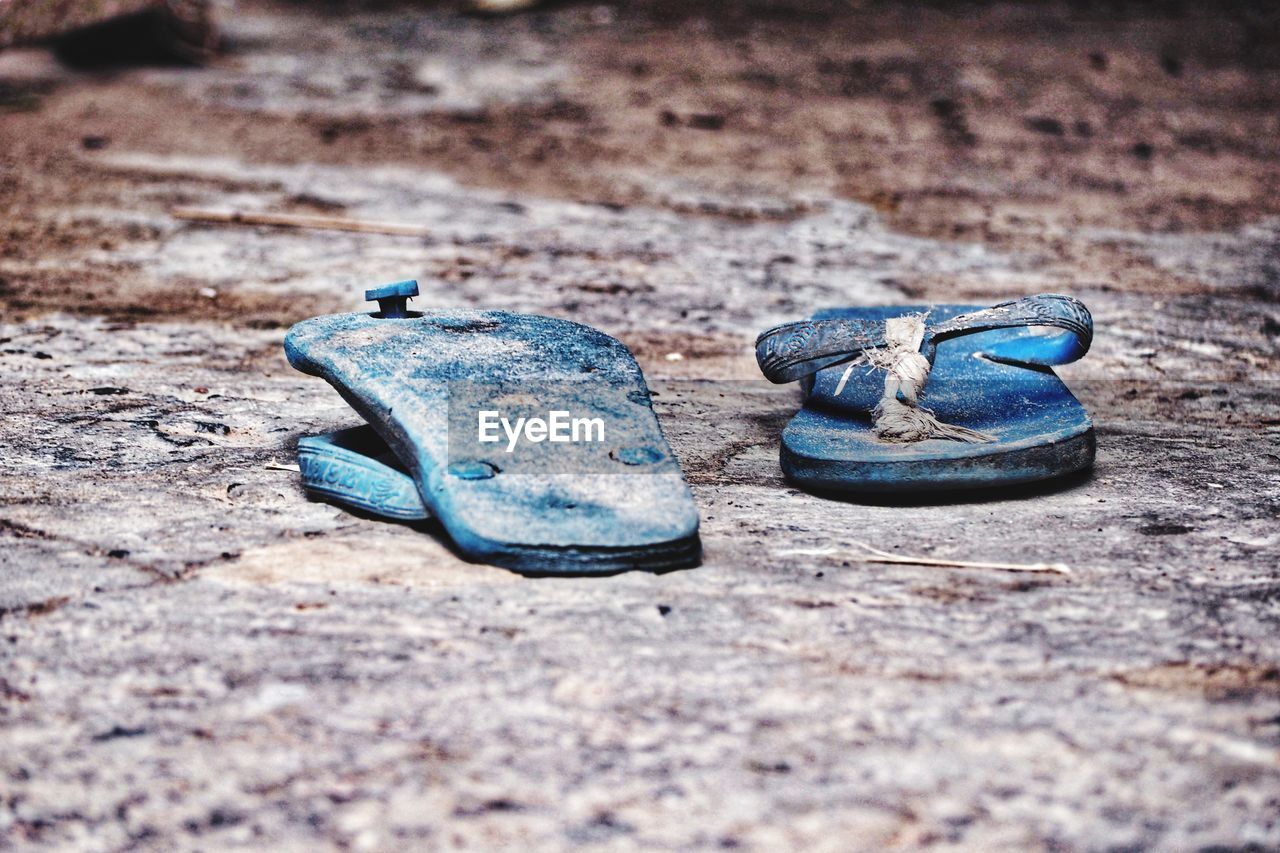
[548, 497]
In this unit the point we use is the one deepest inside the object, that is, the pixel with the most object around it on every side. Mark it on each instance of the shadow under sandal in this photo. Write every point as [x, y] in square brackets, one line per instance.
[607, 496]
[902, 399]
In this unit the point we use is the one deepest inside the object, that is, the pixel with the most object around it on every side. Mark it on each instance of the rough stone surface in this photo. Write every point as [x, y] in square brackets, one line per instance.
[192, 655]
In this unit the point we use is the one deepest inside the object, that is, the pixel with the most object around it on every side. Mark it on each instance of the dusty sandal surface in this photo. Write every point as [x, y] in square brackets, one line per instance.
[421, 380]
[919, 398]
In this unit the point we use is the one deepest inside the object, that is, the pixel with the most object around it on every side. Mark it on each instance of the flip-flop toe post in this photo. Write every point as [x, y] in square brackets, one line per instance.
[973, 391]
[609, 498]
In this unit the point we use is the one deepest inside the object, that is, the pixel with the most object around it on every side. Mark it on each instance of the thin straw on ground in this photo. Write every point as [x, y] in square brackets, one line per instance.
[315, 222]
[875, 555]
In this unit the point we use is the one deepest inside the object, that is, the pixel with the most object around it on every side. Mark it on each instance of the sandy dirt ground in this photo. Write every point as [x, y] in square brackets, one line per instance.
[194, 656]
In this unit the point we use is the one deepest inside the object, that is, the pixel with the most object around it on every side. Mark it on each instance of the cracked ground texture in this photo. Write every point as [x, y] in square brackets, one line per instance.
[194, 656]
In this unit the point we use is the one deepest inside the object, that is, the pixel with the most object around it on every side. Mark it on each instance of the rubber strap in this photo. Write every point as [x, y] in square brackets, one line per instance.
[793, 350]
[355, 468]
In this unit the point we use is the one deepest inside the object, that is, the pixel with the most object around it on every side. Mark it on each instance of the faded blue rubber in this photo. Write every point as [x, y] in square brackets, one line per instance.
[1040, 429]
[354, 467]
[539, 513]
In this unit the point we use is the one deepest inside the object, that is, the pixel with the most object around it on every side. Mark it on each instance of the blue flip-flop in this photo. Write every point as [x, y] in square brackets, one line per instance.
[998, 412]
[433, 386]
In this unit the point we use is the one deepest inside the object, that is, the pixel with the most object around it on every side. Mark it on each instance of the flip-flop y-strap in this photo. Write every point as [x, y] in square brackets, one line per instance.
[356, 468]
[791, 351]
[614, 501]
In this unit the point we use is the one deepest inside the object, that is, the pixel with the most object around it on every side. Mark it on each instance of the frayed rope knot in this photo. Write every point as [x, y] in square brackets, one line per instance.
[906, 371]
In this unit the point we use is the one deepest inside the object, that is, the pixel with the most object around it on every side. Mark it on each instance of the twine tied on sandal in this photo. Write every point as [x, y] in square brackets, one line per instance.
[903, 421]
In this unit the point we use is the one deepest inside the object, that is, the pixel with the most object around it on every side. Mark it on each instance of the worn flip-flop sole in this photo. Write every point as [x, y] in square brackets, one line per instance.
[1040, 430]
[571, 507]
